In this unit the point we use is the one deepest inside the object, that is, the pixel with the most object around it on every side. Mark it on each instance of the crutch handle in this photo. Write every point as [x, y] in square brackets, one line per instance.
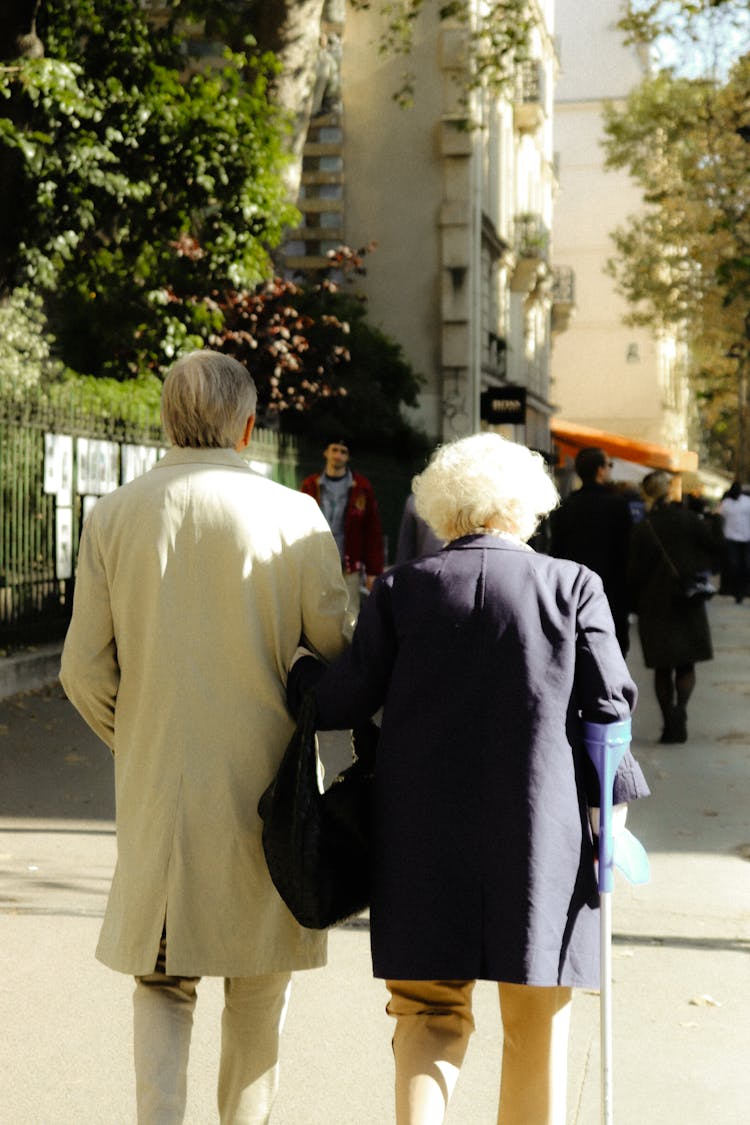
[606, 744]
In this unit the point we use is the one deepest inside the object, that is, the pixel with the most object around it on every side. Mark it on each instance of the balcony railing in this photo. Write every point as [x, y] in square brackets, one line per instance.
[563, 297]
[563, 285]
[528, 104]
[530, 86]
[495, 358]
[531, 237]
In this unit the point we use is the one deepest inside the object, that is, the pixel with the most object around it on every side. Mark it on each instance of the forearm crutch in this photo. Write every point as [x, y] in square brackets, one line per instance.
[606, 744]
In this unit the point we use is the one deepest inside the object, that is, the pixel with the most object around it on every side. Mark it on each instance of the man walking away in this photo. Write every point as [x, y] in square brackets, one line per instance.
[592, 526]
[195, 583]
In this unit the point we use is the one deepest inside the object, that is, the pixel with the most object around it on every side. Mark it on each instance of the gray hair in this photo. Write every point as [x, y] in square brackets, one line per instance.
[655, 486]
[206, 400]
[481, 481]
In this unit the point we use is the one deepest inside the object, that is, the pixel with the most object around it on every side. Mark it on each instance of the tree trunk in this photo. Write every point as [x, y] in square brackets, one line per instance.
[292, 29]
[18, 36]
[18, 39]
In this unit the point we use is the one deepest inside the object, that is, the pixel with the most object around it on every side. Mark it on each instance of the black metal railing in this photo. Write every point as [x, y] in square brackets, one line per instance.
[563, 285]
[56, 458]
[530, 83]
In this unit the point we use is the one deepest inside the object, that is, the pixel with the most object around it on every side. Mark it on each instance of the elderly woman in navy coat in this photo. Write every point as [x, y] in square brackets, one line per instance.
[485, 658]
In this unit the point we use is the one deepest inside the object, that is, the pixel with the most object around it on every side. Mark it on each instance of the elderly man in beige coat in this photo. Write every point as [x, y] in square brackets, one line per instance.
[195, 584]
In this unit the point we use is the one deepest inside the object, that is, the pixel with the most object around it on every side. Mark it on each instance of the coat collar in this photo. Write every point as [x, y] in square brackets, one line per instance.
[491, 542]
[177, 455]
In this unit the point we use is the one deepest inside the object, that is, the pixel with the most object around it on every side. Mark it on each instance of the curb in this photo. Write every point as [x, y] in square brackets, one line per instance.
[26, 671]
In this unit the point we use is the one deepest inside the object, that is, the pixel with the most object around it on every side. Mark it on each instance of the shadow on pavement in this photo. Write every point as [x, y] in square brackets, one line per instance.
[51, 765]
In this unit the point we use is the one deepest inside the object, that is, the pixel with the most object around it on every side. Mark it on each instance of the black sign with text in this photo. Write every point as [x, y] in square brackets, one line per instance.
[500, 405]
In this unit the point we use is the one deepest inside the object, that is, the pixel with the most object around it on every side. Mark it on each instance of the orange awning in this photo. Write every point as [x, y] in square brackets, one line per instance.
[569, 438]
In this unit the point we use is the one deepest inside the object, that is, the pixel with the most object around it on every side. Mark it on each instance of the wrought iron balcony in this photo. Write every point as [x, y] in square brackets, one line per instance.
[563, 297]
[531, 246]
[495, 357]
[528, 103]
[563, 285]
[531, 237]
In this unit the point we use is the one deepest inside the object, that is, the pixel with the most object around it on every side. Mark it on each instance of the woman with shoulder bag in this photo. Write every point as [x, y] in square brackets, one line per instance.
[668, 549]
[487, 658]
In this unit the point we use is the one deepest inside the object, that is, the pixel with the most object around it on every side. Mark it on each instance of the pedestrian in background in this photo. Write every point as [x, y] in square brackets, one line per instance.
[735, 513]
[592, 526]
[674, 633]
[195, 583]
[348, 502]
[486, 658]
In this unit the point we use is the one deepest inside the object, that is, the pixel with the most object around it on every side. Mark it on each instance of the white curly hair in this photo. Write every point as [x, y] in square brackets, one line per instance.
[484, 481]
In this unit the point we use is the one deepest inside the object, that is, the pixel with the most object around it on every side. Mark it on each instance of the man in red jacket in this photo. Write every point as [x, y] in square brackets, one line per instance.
[348, 502]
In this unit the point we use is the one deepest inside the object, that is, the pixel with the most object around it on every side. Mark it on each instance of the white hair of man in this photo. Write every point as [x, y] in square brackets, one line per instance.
[206, 401]
[484, 482]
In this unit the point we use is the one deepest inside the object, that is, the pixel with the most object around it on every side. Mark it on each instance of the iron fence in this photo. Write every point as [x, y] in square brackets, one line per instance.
[56, 459]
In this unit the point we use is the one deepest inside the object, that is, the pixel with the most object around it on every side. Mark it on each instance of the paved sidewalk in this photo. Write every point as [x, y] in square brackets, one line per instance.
[681, 968]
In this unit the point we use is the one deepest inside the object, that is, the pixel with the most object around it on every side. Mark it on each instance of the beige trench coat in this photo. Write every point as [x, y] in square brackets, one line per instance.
[194, 585]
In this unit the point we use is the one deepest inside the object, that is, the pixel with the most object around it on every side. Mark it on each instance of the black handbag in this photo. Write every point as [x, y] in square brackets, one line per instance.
[317, 844]
[696, 587]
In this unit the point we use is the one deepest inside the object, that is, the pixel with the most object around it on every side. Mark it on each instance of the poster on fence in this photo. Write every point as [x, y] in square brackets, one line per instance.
[137, 460]
[63, 542]
[98, 466]
[58, 467]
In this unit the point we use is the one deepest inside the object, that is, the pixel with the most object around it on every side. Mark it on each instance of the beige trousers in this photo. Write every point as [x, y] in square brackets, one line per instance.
[251, 1024]
[433, 1025]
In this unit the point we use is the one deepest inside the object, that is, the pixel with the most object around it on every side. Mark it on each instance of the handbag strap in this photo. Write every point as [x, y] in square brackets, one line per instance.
[663, 549]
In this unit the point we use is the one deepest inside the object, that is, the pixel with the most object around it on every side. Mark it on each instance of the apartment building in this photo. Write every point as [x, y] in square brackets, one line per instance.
[607, 377]
[463, 276]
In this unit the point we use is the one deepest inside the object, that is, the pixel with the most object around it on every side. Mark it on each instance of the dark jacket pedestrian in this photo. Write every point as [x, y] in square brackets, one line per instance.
[485, 657]
[674, 633]
[592, 526]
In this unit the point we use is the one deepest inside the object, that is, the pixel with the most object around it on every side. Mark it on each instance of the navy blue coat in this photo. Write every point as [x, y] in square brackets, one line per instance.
[484, 657]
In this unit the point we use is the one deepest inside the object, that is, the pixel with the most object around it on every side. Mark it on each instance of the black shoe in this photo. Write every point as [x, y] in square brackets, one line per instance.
[679, 720]
[675, 727]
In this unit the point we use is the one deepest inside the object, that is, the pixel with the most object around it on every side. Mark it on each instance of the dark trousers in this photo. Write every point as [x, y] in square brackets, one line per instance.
[738, 568]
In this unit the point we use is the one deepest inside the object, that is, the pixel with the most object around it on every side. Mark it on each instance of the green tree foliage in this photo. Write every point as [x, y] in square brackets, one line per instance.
[118, 154]
[497, 40]
[25, 360]
[683, 263]
[316, 360]
[377, 381]
[150, 197]
[699, 36]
